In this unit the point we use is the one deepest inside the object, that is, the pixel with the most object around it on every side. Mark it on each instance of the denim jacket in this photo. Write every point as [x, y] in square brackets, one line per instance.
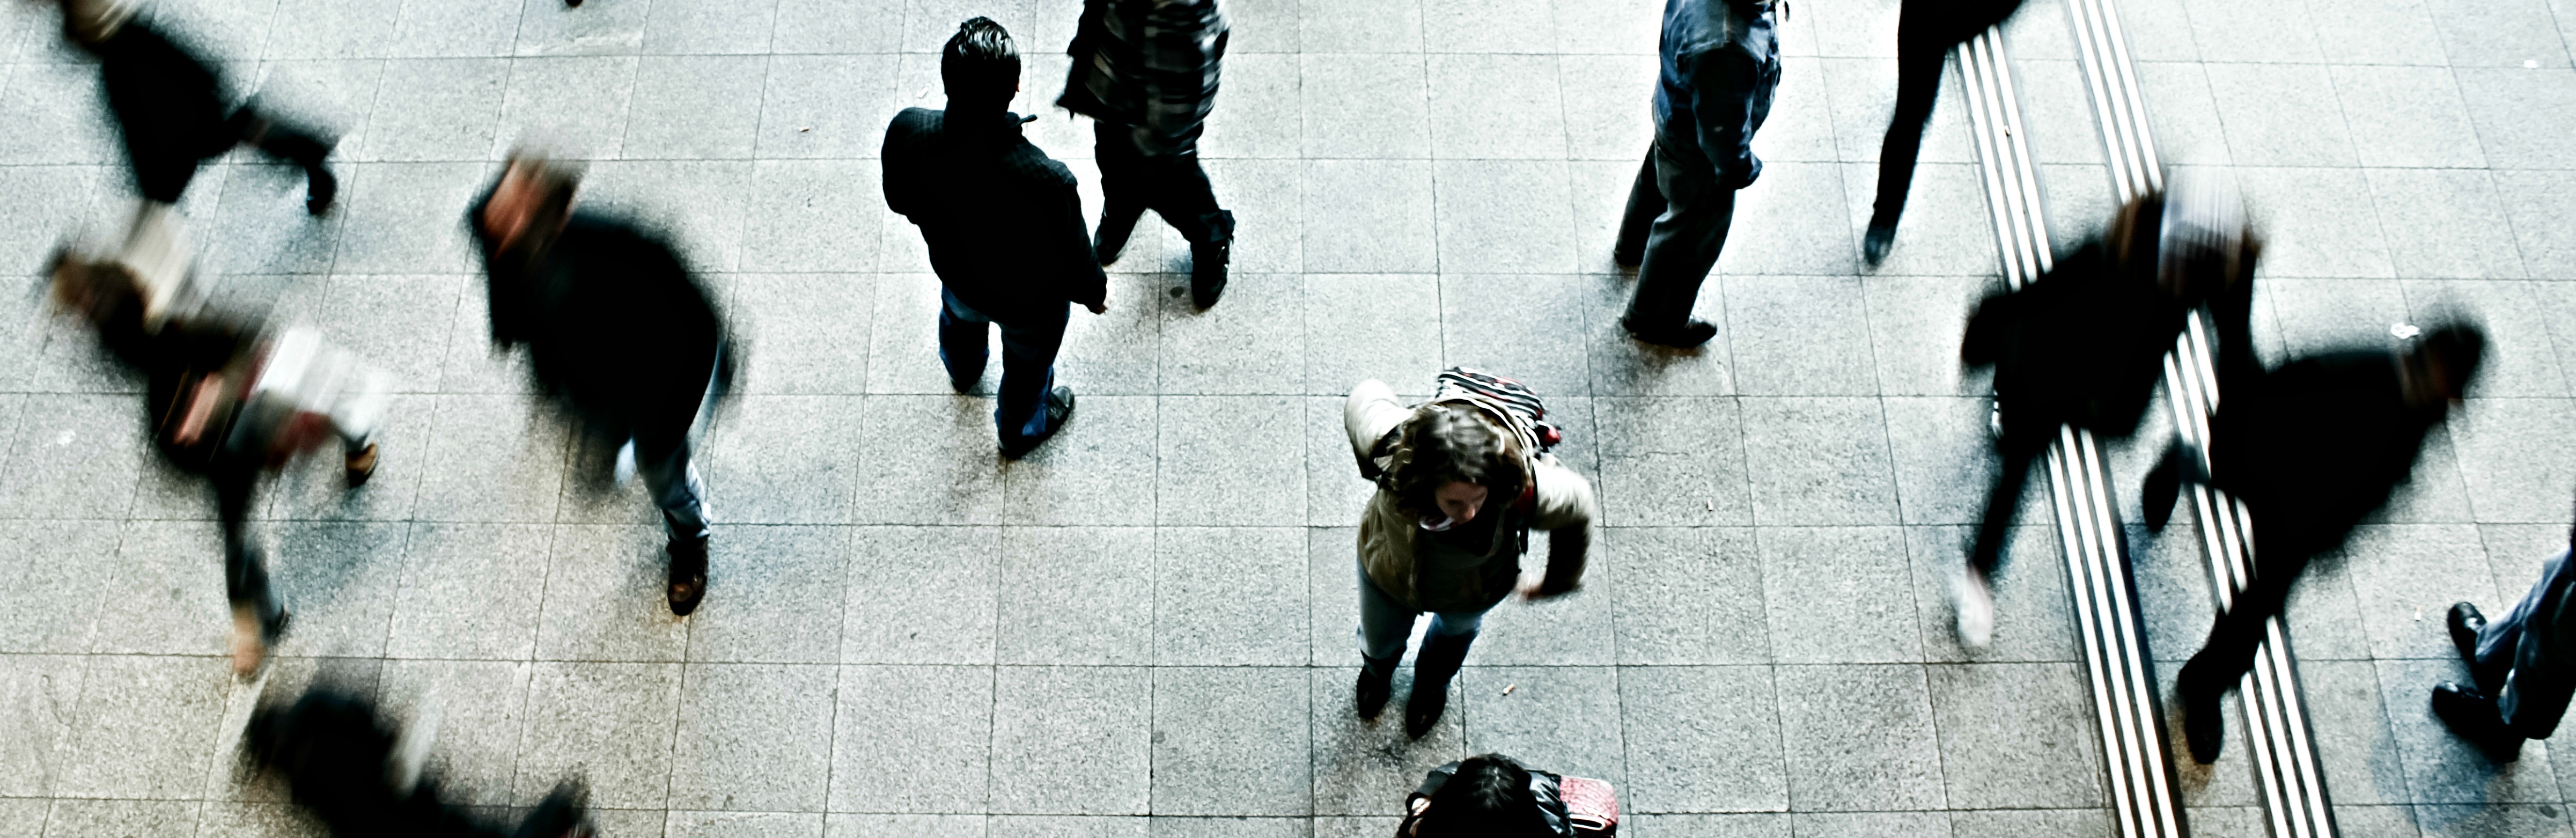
[1721, 63]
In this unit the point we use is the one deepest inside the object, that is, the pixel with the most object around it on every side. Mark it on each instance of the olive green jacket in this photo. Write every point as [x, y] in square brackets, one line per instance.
[1559, 502]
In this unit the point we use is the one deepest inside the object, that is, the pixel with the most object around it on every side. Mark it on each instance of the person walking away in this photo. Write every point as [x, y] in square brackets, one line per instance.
[228, 401]
[617, 329]
[2084, 345]
[1145, 71]
[1926, 30]
[1721, 64]
[170, 111]
[344, 763]
[2311, 448]
[1461, 479]
[1003, 223]
[2522, 667]
[1495, 796]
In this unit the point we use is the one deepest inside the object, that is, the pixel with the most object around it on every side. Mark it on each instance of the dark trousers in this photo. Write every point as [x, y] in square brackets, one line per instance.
[2515, 667]
[163, 166]
[2020, 447]
[1029, 343]
[2287, 533]
[236, 479]
[1678, 215]
[1925, 32]
[1173, 186]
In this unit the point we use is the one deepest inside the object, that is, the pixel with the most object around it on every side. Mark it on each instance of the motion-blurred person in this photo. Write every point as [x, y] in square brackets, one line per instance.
[1146, 72]
[227, 402]
[2084, 345]
[1461, 479]
[1925, 32]
[170, 108]
[1721, 63]
[1004, 226]
[617, 330]
[2310, 447]
[346, 765]
[2522, 668]
[1495, 796]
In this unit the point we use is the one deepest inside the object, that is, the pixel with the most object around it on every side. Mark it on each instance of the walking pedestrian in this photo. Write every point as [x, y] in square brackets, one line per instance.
[227, 401]
[1495, 796]
[2310, 447]
[1721, 64]
[344, 763]
[617, 330]
[1462, 479]
[1004, 226]
[2522, 667]
[1925, 32]
[2084, 345]
[1145, 71]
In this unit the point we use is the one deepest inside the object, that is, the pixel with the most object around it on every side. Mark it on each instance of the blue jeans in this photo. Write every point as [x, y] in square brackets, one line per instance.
[2522, 669]
[1385, 624]
[1028, 361]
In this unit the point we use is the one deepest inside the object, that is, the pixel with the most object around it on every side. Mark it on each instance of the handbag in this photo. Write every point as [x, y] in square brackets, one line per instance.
[1591, 806]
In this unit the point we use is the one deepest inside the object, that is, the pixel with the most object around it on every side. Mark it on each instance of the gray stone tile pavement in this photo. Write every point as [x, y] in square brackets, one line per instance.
[1146, 628]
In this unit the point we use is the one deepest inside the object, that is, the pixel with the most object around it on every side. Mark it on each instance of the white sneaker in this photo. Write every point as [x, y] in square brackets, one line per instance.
[1976, 609]
[624, 470]
[248, 647]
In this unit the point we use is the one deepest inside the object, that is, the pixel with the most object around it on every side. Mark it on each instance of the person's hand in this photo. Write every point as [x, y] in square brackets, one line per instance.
[1101, 307]
[1534, 591]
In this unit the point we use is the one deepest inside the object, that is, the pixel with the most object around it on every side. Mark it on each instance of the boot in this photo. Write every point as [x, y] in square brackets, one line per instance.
[1881, 238]
[2203, 726]
[688, 579]
[1377, 684]
[1116, 224]
[1441, 656]
[2465, 624]
[2473, 717]
[1207, 260]
[304, 150]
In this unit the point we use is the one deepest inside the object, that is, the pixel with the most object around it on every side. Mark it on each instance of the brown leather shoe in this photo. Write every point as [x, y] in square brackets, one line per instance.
[362, 465]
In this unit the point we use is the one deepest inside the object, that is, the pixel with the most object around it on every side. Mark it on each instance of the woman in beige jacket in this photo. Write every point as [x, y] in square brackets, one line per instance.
[1461, 482]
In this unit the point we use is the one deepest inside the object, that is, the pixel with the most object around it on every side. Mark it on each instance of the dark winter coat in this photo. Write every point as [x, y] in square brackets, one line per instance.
[1002, 220]
[2084, 345]
[169, 105]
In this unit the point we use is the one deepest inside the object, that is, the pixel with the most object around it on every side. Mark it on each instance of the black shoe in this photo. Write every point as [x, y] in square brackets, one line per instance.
[1059, 409]
[688, 582]
[560, 815]
[2161, 491]
[1376, 685]
[321, 190]
[1439, 660]
[2204, 725]
[2466, 623]
[1688, 336]
[962, 387]
[1629, 255]
[1422, 709]
[1874, 246]
[2473, 717]
[1207, 272]
[1115, 226]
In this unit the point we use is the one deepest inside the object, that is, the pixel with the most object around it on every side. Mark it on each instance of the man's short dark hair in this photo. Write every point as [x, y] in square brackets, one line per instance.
[980, 66]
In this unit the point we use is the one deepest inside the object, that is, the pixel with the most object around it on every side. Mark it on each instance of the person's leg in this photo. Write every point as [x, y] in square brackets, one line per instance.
[962, 336]
[1030, 407]
[1645, 204]
[258, 616]
[1972, 594]
[673, 482]
[1444, 650]
[1384, 626]
[1922, 43]
[1122, 190]
[2234, 637]
[1680, 250]
[1182, 195]
[294, 145]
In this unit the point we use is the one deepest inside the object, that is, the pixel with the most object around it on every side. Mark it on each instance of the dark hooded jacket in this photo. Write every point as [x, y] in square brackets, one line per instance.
[1002, 220]
[614, 324]
[1721, 63]
[2084, 345]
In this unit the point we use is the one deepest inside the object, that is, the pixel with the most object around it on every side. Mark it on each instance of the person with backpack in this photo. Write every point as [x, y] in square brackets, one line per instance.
[1495, 796]
[1461, 479]
[2084, 345]
[1721, 63]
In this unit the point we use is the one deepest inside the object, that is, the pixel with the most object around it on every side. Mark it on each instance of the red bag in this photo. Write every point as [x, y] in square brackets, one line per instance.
[1591, 806]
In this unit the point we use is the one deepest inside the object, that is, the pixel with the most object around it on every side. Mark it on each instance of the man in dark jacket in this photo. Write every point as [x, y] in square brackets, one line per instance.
[1146, 72]
[169, 104]
[344, 762]
[1721, 63]
[1004, 227]
[2084, 345]
[2311, 448]
[617, 329]
[2522, 668]
[1925, 32]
